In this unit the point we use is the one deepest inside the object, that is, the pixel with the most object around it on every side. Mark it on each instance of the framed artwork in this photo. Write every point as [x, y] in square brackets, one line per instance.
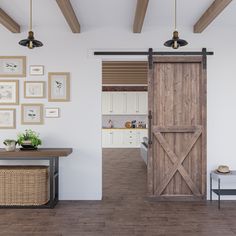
[32, 114]
[34, 89]
[12, 66]
[52, 112]
[7, 118]
[59, 87]
[36, 70]
[9, 92]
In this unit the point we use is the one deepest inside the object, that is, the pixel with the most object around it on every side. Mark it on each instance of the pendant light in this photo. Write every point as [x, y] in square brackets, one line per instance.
[30, 42]
[175, 42]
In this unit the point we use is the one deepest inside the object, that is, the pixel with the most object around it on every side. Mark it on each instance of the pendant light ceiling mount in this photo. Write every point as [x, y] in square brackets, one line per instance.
[30, 42]
[175, 42]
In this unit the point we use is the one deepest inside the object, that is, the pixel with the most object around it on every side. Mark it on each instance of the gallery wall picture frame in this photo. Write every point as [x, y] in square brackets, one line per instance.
[58, 86]
[9, 92]
[34, 89]
[31, 114]
[7, 118]
[12, 66]
[36, 70]
[52, 112]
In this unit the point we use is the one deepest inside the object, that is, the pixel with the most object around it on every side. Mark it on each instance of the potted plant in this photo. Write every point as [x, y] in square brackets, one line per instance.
[29, 140]
[10, 144]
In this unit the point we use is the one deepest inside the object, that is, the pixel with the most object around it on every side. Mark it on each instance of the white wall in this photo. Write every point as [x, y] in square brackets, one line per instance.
[80, 123]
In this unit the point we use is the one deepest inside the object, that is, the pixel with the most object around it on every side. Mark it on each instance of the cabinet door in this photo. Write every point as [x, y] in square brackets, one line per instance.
[131, 103]
[118, 105]
[142, 103]
[117, 138]
[107, 138]
[106, 103]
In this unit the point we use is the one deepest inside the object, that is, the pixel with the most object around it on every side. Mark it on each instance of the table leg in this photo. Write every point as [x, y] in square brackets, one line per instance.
[52, 182]
[56, 176]
[210, 187]
[219, 194]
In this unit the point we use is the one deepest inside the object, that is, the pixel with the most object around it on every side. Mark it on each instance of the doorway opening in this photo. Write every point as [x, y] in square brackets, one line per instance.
[124, 125]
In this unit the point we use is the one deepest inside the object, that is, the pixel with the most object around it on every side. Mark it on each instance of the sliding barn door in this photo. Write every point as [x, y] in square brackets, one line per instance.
[177, 109]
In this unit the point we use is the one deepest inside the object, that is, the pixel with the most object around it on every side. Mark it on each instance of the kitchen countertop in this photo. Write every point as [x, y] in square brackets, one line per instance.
[126, 128]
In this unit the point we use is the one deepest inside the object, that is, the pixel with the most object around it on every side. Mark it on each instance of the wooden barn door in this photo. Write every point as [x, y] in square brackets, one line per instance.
[177, 109]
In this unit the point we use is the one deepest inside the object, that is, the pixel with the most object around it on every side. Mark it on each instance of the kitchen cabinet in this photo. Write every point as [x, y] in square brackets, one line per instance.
[123, 138]
[142, 103]
[131, 103]
[124, 103]
[106, 103]
[112, 138]
[118, 103]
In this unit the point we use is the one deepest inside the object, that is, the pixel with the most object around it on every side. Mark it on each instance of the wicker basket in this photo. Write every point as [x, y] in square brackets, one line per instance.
[24, 185]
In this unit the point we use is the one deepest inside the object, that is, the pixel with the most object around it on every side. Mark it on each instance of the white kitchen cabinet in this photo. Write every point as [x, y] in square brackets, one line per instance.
[106, 138]
[124, 103]
[106, 103]
[111, 138]
[118, 103]
[123, 138]
[131, 103]
[129, 137]
[142, 103]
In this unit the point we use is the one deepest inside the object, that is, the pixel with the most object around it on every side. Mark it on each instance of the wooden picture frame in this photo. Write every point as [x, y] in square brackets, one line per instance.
[12, 66]
[32, 114]
[34, 89]
[9, 92]
[58, 86]
[7, 118]
[36, 70]
[52, 112]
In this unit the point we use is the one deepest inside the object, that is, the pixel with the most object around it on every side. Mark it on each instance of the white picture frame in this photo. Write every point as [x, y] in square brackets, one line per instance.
[9, 92]
[36, 70]
[32, 114]
[52, 112]
[7, 118]
[34, 89]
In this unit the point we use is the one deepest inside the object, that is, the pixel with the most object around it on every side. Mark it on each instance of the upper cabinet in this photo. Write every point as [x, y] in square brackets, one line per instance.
[124, 103]
[142, 102]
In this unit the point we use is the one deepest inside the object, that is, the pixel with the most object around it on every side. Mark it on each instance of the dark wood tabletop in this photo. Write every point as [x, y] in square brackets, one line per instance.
[40, 152]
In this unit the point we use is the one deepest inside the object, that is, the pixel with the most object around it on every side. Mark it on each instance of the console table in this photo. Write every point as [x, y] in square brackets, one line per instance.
[214, 175]
[50, 154]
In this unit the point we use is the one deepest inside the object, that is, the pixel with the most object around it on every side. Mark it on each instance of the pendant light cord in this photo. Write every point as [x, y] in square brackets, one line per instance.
[175, 14]
[31, 15]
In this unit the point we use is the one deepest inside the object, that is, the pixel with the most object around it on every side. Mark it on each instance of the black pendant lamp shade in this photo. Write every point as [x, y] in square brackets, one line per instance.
[30, 42]
[175, 42]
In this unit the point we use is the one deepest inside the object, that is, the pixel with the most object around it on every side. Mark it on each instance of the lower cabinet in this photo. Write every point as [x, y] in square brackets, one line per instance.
[122, 138]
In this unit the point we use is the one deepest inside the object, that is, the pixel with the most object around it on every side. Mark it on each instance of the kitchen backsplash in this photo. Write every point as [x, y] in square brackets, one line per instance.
[118, 121]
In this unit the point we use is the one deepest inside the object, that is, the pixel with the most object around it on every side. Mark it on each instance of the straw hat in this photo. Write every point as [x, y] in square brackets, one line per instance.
[223, 169]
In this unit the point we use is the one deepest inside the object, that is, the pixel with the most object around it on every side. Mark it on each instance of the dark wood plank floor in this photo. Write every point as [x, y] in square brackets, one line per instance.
[123, 211]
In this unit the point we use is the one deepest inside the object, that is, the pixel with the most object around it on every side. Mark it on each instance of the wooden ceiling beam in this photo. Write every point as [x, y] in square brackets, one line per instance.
[210, 14]
[69, 14]
[141, 8]
[8, 22]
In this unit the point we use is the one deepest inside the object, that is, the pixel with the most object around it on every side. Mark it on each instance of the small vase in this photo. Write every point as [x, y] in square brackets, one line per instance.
[10, 147]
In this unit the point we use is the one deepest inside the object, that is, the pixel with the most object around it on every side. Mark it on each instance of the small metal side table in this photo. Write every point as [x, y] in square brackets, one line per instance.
[214, 175]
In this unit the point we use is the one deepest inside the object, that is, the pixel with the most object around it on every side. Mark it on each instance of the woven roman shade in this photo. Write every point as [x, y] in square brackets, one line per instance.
[124, 72]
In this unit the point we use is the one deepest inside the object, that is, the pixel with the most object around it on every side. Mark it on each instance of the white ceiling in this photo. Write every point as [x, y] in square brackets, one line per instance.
[115, 13]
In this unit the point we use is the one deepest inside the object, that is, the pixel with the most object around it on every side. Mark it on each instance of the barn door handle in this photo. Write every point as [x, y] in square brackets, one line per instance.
[149, 127]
